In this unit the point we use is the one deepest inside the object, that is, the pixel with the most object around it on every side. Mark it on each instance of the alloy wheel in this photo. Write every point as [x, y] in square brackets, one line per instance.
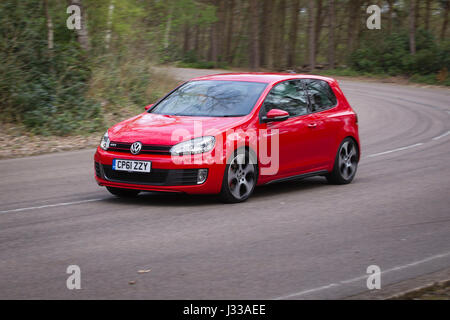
[241, 176]
[347, 160]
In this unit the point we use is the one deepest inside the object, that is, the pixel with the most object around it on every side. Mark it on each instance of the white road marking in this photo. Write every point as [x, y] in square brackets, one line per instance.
[395, 150]
[52, 205]
[442, 135]
[340, 283]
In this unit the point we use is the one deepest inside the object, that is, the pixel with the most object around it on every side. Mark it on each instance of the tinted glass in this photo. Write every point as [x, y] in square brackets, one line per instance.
[320, 94]
[288, 96]
[211, 99]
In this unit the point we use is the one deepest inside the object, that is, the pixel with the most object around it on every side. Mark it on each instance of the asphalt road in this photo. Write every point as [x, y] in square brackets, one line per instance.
[294, 240]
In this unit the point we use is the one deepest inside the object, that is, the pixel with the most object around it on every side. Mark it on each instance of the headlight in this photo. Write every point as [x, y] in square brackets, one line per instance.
[104, 143]
[194, 146]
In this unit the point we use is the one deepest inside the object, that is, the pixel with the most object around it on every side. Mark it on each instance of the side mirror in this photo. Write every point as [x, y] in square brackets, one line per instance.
[275, 115]
[149, 106]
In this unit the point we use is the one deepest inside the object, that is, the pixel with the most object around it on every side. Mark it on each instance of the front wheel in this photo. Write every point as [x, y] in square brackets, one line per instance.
[239, 179]
[345, 163]
[123, 193]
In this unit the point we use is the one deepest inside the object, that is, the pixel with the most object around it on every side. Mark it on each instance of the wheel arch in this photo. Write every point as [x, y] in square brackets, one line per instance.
[356, 144]
[252, 154]
[338, 145]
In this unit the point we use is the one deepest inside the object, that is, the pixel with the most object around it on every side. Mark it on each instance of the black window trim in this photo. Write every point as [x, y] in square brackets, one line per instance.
[164, 97]
[309, 101]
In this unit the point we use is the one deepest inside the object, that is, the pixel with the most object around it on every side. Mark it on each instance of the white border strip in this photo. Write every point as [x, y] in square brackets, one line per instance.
[52, 205]
[442, 135]
[395, 150]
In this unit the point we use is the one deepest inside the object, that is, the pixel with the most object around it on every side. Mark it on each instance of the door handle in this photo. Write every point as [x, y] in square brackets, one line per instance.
[312, 125]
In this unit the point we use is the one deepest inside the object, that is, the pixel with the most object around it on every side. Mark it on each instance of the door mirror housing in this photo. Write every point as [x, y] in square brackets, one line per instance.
[149, 106]
[275, 115]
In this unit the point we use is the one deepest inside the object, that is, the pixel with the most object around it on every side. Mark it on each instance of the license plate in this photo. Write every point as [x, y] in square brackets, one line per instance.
[131, 165]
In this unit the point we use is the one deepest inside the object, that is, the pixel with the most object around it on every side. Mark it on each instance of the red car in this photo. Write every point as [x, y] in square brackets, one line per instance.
[225, 134]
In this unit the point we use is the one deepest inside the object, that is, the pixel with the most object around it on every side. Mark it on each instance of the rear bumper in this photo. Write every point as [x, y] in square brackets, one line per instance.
[165, 175]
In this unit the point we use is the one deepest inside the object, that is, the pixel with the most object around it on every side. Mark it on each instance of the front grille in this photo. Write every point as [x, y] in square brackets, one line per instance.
[157, 177]
[146, 149]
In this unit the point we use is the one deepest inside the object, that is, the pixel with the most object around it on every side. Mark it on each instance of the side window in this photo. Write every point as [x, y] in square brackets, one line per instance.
[288, 96]
[320, 95]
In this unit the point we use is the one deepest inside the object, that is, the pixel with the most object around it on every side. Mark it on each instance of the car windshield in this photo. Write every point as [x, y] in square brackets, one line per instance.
[211, 99]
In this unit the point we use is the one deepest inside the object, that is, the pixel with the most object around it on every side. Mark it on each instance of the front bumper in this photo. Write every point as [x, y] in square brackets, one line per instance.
[165, 175]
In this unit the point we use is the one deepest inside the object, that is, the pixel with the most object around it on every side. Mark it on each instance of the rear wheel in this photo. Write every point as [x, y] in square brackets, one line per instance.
[123, 193]
[345, 163]
[239, 179]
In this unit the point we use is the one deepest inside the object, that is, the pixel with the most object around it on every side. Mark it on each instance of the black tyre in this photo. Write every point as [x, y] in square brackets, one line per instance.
[123, 193]
[345, 163]
[239, 179]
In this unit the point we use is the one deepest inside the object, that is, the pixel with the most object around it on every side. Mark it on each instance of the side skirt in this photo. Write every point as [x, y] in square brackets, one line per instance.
[300, 176]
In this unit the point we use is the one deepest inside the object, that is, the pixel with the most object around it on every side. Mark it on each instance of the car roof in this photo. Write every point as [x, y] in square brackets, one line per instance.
[261, 77]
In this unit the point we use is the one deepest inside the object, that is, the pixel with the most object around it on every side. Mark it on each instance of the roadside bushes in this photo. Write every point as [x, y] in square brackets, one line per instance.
[42, 88]
[390, 55]
[124, 81]
[66, 90]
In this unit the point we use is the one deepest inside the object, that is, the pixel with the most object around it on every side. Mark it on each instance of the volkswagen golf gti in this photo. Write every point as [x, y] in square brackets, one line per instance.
[226, 134]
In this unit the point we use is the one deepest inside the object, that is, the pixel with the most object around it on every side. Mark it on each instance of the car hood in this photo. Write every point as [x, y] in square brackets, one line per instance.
[157, 129]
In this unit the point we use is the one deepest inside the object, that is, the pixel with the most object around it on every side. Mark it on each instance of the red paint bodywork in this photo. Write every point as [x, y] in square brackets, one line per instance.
[308, 143]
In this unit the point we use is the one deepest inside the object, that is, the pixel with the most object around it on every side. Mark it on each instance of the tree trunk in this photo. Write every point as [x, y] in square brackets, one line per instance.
[229, 35]
[213, 43]
[312, 33]
[293, 34]
[48, 19]
[244, 14]
[82, 34]
[353, 23]
[390, 16]
[340, 35]
[266, 9]
[276, 34]
[417, 11]
[168, 27]
[186, 38]
[331, 39]
[196, 38]
[427, 14]
[319, 22]
[412, 27]
[109, 24]
[278, 44]
[268, 34]
[220, 28]
[445, 22]
[204, 42]
[254, 42]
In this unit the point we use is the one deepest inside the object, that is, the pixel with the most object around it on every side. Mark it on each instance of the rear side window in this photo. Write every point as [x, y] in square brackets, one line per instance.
[288, 96]
[320, 94]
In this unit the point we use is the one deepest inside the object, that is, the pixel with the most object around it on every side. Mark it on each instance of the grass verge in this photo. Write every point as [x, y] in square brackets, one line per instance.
[436, 291]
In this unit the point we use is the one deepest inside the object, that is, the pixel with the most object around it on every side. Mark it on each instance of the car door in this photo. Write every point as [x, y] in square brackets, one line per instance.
[295, 146]
[326, 125]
